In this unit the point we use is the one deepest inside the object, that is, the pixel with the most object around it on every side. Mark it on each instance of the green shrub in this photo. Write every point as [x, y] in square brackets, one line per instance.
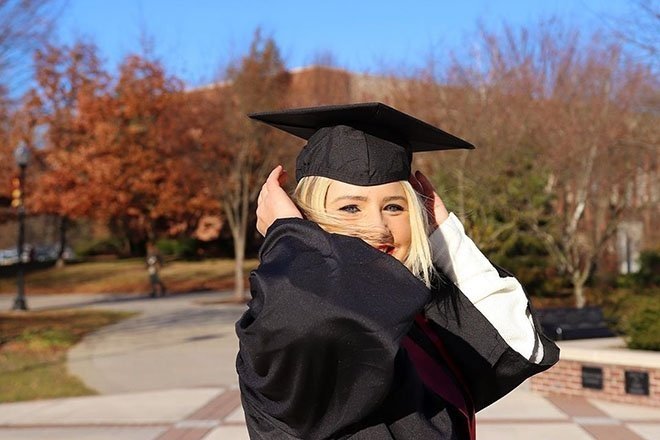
[649, 271]
[185, 247]
[648, 274]
[103, 246]
[641, 322]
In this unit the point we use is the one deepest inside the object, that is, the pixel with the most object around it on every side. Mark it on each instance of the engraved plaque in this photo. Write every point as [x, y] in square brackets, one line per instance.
[637, 382]
[592, 377]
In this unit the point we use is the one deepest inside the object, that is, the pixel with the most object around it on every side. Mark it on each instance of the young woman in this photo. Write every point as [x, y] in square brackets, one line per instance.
[373, 315]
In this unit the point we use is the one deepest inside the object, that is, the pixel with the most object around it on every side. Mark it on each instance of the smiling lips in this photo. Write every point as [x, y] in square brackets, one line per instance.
[388, 249]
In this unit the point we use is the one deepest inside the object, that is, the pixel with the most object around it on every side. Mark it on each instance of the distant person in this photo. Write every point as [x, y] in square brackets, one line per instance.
[154, 265]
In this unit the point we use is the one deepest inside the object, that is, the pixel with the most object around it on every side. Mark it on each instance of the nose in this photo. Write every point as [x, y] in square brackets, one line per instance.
[376, 219]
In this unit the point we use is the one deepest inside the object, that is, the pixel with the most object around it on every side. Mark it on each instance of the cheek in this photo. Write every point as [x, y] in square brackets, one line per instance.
[400, 228]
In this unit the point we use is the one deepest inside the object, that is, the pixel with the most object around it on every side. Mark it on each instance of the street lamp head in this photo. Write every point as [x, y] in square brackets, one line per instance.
[22, 154]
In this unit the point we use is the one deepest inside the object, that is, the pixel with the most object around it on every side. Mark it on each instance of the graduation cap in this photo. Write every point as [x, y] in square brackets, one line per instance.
[362, 144]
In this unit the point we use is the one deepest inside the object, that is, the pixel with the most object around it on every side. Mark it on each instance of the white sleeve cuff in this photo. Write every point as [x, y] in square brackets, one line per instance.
[501, 300]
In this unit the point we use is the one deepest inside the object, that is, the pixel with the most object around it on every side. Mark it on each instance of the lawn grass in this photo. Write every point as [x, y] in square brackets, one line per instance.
[33, 348]
[129, 276]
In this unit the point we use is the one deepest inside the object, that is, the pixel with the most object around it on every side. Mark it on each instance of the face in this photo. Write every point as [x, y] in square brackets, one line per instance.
[380, 207]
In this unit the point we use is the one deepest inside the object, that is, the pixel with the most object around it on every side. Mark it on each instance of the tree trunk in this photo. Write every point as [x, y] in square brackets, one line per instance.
[60, 252]
[578, 292]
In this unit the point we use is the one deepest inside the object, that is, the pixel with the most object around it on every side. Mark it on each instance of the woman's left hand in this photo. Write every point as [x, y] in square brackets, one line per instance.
[435, 208]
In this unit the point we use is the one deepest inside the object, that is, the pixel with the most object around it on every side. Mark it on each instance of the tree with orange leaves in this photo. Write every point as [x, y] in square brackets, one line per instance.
[7, 167]
[115, 151]
[140, 175]
[65, 77]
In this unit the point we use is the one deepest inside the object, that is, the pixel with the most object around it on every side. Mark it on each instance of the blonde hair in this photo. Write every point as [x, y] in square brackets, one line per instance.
[310, 196]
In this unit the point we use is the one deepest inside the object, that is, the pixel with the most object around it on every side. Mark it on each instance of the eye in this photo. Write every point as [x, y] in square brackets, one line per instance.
[393, 207]
[351, 209]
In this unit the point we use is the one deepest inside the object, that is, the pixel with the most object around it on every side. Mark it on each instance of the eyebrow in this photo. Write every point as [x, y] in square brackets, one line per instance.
[364, 199]
[356, 198]
[392, 198]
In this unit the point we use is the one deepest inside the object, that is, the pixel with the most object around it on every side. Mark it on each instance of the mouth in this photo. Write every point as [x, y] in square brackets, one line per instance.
[386, 248]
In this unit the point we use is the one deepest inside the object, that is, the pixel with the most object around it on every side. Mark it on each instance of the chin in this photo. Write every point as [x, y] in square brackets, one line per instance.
[399, 257]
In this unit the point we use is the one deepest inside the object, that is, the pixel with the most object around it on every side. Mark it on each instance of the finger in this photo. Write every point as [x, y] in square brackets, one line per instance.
[426, 184]
[283, 177]
[274, 176]
[417, 186]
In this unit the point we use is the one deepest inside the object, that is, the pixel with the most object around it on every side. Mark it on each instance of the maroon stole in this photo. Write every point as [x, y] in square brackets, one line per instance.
[436, 377]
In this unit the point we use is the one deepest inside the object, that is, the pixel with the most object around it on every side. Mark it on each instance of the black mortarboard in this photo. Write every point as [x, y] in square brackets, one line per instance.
[361, 144]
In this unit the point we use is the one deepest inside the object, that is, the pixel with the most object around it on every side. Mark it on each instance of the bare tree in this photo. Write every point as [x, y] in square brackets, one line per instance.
[577, 105]
[235, 153]
[590, 132]
[639, 30]
[24, 27]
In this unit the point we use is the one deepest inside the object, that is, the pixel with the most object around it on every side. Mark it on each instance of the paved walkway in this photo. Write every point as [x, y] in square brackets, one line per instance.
[168, 374]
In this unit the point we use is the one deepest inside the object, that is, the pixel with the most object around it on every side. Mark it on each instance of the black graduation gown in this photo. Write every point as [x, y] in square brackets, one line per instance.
[321, 352]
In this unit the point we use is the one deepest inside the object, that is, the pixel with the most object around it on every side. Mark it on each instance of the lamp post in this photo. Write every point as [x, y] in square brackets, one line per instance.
[22, 155]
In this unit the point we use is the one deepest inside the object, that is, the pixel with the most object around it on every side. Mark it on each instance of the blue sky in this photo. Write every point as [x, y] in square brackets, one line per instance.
[195, 38]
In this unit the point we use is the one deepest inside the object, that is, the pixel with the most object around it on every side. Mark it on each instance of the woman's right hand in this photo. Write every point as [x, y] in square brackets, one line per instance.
[435, 207]
[273, 202]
